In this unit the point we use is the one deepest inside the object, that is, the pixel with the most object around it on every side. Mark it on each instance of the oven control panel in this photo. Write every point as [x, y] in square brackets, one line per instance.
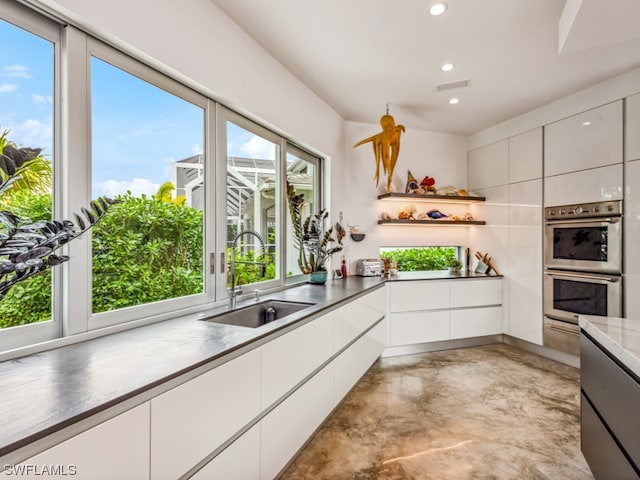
[584, 210]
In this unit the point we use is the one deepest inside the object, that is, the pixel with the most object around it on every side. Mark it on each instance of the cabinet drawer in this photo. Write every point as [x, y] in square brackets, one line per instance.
[411, 296]
[475, 293]
[356, 317]
[476, 322]
[286, 429]
[289, 359]
[351, 364]
[613, 393]
[600, 450]
[195, 418]
[239, 461]
[408, 328]
[117, 448]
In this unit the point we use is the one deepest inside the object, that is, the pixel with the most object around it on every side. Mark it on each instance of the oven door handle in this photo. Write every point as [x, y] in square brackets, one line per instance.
[563, 329]
[573, 221]
[556, 273]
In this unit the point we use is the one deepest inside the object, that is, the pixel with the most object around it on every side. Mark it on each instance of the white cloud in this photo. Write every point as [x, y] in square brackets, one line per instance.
[40, 99]
[113, 188]
[8, 87]
[33, 133]
[17, 71]
[258, 147]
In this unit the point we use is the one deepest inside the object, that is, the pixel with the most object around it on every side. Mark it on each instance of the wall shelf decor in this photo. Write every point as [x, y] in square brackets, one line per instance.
[430, 222]
[432, 198]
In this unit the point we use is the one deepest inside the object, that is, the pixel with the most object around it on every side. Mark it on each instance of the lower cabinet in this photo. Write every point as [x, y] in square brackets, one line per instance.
[276, 394]
[239, 461]
[286, 428]
[192, 420]
[351, 364]
[609, 420]
[117, 448]
[436, 310]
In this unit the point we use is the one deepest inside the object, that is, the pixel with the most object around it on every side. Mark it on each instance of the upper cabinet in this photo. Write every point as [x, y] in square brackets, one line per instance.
[525, 156]
[489, 165]
[588, 140]
[632, 128]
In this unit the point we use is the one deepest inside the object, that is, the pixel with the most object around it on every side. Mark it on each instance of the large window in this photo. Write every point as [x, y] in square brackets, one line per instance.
[147, 152]
[196, 185]
[27, 97]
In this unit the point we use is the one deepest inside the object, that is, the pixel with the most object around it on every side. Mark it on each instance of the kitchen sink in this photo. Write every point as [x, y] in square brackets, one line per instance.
[258, 314]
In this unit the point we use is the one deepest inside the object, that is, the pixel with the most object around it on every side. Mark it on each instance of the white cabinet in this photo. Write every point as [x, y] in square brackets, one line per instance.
[289, 359]
[355, 317]
[471, 293]
[489, 165]
[418, 327]
[117, 448]
[476, 322]
[351, 364]
[631, 282]
[594, 185]
[588, 140]
[632, 128]
[436, 310]
[239, 461]
[524, 281]
[192, 420]
[418, 295]
[525, 156]
[285, 430]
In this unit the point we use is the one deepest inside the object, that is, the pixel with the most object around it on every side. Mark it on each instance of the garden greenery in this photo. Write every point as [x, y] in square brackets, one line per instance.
[421, 258]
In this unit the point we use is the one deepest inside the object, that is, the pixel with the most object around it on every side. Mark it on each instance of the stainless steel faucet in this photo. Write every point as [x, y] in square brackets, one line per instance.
[233, 293]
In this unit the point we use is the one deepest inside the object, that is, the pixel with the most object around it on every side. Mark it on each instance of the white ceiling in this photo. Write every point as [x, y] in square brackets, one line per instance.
[359, 55]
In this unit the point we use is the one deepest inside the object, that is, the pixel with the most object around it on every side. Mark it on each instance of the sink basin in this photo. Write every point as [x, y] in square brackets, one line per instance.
[258, 314]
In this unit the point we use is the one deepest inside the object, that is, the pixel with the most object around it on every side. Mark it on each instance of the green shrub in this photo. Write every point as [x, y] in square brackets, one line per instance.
[421, 258]
[144, 251]
[30, 300]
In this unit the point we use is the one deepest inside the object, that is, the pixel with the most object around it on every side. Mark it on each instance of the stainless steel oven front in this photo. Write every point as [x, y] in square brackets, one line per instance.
[584, 237]
[569, 294]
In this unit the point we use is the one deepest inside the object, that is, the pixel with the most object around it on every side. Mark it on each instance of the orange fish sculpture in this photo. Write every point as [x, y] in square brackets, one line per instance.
[386, 147]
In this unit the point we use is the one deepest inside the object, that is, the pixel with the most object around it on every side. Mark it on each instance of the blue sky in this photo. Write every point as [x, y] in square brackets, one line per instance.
[138, 129]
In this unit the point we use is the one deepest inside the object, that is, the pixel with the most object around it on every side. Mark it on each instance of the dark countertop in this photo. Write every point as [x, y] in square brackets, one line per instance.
[45, 392]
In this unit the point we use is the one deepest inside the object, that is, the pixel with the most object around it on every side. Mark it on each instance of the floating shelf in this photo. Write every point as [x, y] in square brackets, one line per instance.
[430, 222]
[432, 198]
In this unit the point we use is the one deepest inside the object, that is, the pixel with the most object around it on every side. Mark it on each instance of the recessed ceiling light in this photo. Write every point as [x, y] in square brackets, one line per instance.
[447, 67]
[586, 124]
[453, 101]
[438, 9]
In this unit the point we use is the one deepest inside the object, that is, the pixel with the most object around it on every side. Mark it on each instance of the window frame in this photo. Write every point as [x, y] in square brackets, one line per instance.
[163, 308]
[72, 317]
[49, 30]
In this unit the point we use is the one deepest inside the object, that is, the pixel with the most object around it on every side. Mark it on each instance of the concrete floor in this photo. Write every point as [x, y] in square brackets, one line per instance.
[491, 412]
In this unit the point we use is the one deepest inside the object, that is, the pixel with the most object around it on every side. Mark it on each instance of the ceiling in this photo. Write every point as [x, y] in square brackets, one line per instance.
[359, 55]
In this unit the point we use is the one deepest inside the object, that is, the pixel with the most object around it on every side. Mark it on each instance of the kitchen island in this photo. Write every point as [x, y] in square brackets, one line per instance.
[610, 395]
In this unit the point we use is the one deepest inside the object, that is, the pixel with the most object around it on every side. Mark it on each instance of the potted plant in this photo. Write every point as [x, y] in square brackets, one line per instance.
[315, 242]
[454, 265]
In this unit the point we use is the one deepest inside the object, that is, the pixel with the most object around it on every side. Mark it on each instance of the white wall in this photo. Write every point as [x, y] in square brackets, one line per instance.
[439, 155]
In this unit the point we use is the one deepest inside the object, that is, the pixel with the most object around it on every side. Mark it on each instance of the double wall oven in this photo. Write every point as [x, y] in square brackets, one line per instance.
[583, 268]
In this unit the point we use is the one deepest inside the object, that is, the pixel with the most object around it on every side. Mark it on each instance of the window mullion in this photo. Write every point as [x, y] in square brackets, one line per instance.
[75, 171]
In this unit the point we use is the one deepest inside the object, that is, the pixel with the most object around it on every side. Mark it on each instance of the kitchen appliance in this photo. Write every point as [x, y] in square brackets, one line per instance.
[369, 267]
[584, 237]
[583, 269]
